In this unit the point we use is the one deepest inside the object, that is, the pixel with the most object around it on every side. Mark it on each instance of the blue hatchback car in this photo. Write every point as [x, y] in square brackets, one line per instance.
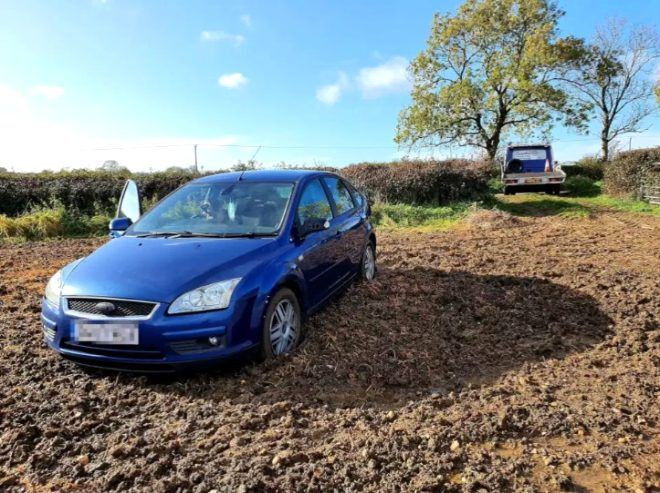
[225, 264]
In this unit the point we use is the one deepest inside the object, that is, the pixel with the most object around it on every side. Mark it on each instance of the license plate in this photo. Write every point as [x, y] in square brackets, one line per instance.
[533, 180]
[106, 333]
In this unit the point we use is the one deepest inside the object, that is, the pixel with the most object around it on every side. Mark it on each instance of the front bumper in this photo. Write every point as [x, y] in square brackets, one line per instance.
[167, 343]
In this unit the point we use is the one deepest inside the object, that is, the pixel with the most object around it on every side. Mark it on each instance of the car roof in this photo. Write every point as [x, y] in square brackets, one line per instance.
[289, 175]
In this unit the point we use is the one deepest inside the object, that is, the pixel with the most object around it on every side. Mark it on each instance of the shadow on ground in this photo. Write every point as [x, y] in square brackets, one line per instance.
[413, 332]
[541, 206]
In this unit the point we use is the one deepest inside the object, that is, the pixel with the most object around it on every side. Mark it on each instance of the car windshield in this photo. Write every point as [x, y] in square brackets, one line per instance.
[240, 208]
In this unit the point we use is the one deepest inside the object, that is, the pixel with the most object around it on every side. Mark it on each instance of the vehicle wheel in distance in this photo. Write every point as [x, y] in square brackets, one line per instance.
[282, 325]
[368, 267]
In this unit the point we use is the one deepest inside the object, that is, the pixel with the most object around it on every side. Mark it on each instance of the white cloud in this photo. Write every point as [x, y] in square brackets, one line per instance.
[389, 77]
[215, 36]
[232, 81]
[246, 20]
[331, 93]
[48, 92]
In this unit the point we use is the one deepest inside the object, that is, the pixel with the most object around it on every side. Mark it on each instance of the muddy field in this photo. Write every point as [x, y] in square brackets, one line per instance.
[511, 354]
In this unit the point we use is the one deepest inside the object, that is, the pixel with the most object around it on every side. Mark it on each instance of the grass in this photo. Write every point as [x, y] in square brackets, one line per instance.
[583, 198]
[421, 217]
[51, 223]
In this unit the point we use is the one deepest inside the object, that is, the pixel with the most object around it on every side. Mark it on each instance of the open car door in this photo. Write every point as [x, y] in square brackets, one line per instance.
[129, 209]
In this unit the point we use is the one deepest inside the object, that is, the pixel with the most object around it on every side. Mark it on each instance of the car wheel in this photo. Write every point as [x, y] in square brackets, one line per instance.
[282, 326]
[368, 267]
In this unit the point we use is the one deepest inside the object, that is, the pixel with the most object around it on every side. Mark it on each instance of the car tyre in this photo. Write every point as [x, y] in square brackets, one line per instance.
[368, 265]
[282, 325]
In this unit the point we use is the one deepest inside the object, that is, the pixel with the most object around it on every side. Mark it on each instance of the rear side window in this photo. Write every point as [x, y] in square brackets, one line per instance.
[314, 203]
[340, 194]
[358, 198]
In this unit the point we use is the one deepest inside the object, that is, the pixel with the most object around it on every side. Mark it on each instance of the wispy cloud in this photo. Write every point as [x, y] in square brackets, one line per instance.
[331, 93]
[386, 78]
[233, 80]
[246, 20]
[216, 36]
[47, 92]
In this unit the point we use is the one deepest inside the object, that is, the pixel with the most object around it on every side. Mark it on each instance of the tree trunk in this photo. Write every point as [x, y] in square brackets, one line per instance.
[605, 140]
[491, 146]
[605, 148]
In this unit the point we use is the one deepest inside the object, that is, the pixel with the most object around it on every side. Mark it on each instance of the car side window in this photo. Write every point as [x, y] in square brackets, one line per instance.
[358, 198]
[340, 194]
[314, 203]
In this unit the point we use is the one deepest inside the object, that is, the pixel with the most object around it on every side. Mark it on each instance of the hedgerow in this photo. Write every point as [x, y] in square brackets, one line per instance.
[84, 192]
[589, 167]
[626, 173]
[421, 182]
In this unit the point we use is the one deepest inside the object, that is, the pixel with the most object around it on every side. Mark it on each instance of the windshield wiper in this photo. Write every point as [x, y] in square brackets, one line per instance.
[156, 233]
[189, 234]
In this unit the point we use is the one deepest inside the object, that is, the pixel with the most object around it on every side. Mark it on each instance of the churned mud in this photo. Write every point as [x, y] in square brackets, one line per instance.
[505, 355]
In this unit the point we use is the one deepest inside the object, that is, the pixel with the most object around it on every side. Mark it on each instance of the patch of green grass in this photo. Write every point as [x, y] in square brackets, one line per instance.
[568, 206]
[52, 223]
[418, 216]
[623, 204]
[581, 186]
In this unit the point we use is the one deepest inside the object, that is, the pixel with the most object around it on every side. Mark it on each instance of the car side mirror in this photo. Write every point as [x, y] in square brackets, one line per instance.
[118, 225]
[312, 225]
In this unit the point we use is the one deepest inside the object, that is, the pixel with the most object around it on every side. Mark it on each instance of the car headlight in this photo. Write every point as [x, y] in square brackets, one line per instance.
[54, 288]
[214, 296]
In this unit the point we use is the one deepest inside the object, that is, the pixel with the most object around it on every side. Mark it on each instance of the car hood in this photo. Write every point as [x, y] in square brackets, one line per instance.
[161, 269]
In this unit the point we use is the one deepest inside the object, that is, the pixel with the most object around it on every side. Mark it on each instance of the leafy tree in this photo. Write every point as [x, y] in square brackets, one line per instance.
[494, 67]
[248, 165]
[614, 79]
[113, 166]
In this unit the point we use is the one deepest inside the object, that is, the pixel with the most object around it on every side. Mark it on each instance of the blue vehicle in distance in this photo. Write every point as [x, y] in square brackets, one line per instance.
[225, 264]
[530, 168]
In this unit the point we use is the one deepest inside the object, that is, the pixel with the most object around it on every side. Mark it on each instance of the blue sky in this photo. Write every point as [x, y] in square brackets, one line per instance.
[89, 80]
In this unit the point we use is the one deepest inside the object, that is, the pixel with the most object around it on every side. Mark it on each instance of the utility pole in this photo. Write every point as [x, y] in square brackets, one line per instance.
[629, 143]
[196, 167]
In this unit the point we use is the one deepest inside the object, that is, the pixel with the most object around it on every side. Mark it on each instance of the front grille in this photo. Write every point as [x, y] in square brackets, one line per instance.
[123, 308]
[192, 346]
[115, 350]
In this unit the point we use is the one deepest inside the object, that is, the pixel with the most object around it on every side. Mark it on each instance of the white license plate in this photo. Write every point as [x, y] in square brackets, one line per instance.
[533, 181]
[106, 333]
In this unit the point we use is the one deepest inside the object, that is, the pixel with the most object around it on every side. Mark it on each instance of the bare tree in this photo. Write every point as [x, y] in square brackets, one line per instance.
[615, 79]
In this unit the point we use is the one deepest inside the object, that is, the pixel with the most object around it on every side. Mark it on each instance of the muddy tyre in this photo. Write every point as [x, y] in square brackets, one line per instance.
[282, 325]
[368, 264]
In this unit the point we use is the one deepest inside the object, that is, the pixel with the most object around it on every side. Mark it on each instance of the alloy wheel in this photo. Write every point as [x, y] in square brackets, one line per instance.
[283, 328]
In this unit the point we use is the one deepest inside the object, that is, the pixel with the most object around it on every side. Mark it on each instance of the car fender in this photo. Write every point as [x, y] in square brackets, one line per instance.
[279, 275]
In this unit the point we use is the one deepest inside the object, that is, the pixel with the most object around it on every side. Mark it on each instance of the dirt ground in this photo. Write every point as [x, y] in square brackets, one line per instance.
[510, 354]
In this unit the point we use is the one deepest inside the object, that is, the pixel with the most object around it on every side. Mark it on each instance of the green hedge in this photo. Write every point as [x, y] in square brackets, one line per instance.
[82, 192]
[626, 172]
[589, 167]
[89, 193]
[421, 182]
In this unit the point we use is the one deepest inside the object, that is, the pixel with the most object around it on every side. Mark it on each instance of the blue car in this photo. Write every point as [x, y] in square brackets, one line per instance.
[226, 264]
